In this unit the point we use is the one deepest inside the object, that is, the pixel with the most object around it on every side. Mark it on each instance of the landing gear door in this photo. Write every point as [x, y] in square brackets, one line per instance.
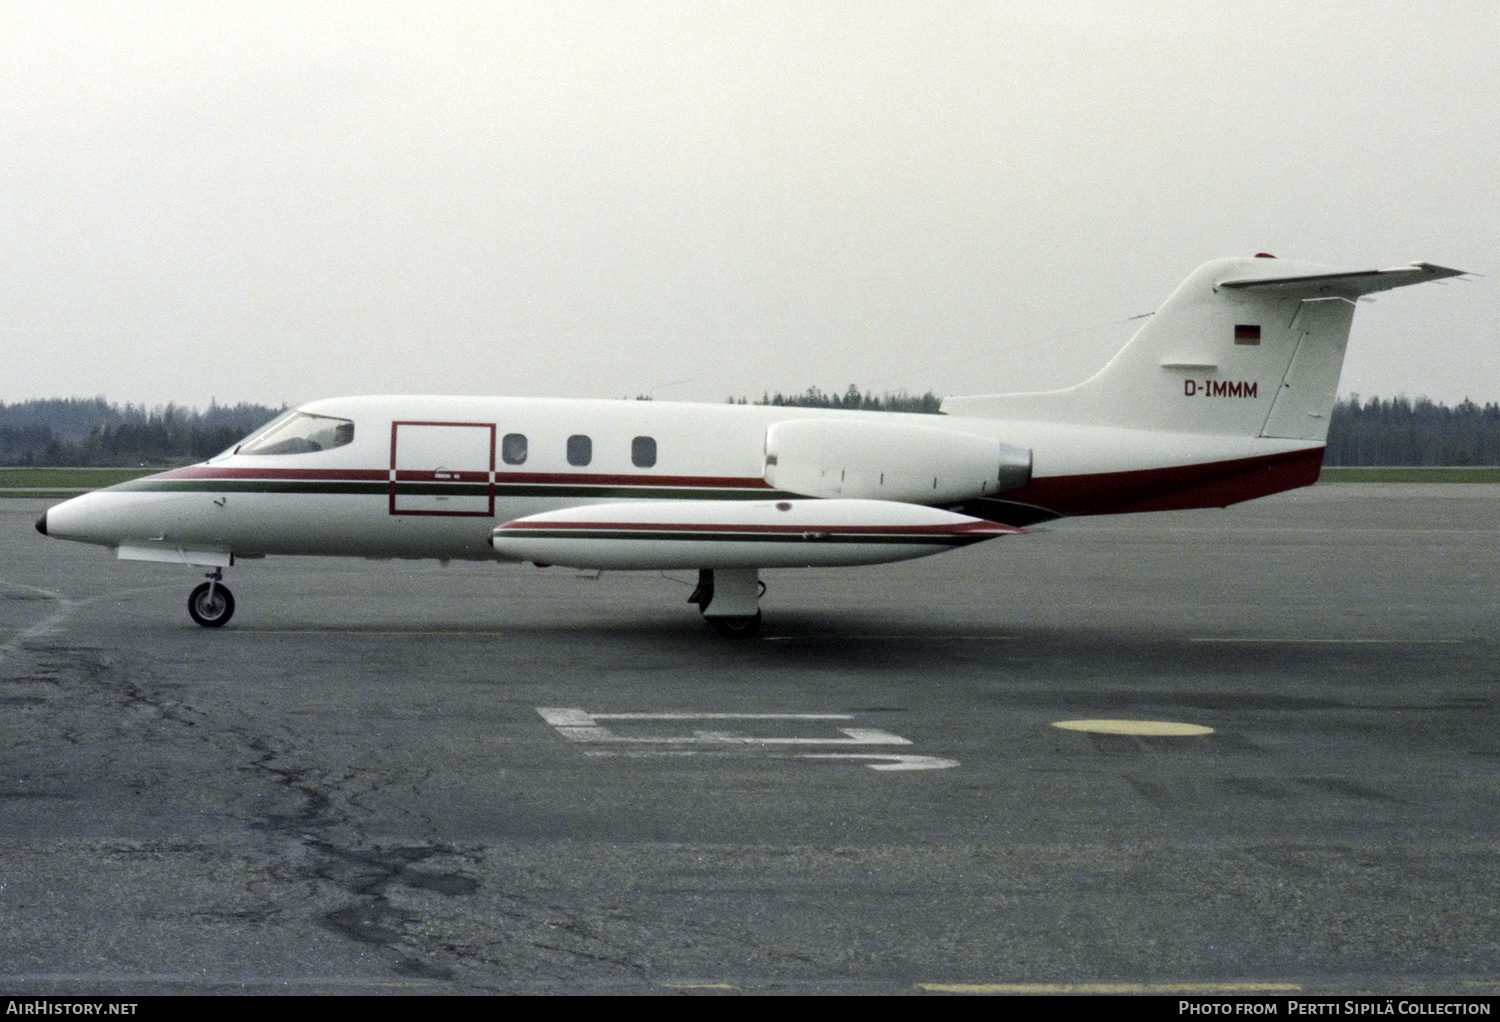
[443, 468]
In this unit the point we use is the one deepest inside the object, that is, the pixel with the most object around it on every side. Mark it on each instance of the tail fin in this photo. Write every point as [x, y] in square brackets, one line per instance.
[1244, 347]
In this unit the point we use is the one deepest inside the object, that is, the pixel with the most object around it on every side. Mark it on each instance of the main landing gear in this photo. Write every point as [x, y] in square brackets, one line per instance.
[211, 604]
[729, 599]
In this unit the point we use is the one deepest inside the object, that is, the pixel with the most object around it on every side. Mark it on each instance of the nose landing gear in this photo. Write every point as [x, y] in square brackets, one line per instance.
[211, 603]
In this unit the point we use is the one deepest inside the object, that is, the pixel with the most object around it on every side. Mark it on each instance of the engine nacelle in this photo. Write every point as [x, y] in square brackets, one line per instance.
[868, 460]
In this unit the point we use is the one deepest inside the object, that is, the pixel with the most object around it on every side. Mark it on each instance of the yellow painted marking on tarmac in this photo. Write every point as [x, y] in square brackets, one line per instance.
[1154, 728]
[697, 986]
[1109, 988]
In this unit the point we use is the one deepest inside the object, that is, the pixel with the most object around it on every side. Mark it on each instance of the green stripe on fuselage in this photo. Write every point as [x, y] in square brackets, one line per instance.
[319, 486]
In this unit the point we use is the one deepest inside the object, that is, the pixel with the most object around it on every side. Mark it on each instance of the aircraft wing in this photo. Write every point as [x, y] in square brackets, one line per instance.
[1350, 285]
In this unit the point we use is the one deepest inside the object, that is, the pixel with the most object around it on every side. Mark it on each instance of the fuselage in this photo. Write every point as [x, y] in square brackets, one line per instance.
[432, 477]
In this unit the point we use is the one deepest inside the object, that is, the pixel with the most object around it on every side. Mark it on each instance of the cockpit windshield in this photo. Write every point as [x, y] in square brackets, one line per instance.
[300, 433]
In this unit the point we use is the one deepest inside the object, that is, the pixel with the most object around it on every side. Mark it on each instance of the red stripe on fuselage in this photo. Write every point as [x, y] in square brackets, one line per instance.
[581, 479]
[1214, 484]
[316, 475]
[543, 478]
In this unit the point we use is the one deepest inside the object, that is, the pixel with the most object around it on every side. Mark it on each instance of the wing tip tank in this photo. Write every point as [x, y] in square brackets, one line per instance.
[762, 534]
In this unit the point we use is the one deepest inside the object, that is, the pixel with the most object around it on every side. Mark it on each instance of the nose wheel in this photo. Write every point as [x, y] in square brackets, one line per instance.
[211, 603]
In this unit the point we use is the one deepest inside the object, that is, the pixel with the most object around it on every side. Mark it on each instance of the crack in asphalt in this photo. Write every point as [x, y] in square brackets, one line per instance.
[366, 872]
[324, 863]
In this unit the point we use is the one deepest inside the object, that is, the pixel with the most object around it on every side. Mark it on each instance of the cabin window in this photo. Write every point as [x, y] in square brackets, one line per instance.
[580, 449]
[643, 451]
[300, 433]
[513, 449]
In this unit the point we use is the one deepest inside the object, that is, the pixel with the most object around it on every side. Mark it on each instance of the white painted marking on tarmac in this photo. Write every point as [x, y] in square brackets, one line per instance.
[856, 736]
[52, 623]
[49, 625]
[710, 716]
[561, 716]
[1153, 728]
[881, 761]
[582, 726]
[890, 762]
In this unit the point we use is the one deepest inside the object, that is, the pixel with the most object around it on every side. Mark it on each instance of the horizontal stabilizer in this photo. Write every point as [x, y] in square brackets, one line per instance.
[1349, 285]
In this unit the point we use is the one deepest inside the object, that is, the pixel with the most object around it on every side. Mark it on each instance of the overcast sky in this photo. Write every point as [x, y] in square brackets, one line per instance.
[276, 202]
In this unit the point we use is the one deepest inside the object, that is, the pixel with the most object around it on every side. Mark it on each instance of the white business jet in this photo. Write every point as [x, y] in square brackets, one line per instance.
[1223, 395]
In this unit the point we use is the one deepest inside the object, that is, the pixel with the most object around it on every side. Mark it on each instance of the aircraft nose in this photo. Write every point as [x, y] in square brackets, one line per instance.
[41, 524]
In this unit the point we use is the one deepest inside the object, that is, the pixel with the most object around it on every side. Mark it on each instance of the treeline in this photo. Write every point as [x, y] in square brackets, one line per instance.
[95, 433]
[852, 399]
[81, 432]
[1402, 432]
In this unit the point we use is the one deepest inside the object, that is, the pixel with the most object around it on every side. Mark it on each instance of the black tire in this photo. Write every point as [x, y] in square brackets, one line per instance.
[735, 627]
[211, 610]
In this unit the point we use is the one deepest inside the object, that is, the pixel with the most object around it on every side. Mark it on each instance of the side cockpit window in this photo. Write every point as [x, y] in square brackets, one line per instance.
[300, 433]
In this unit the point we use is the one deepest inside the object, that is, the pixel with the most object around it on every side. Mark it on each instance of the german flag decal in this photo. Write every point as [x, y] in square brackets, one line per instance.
[1246, 333]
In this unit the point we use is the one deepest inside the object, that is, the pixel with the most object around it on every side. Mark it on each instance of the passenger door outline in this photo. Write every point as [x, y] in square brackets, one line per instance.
[443, 468]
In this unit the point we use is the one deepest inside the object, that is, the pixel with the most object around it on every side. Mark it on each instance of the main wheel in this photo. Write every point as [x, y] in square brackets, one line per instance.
[735, 627]
[211, 604]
